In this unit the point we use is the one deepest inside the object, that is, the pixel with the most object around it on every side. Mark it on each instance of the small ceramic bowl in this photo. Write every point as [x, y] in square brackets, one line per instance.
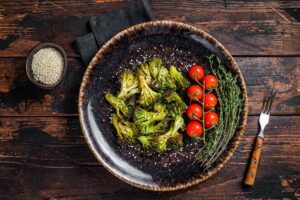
[29, 65]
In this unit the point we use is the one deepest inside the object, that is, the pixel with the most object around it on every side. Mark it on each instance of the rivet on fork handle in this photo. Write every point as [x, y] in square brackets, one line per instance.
[252, 170]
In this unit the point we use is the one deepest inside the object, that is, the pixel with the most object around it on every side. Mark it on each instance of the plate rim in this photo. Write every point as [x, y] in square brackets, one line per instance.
[240, 130]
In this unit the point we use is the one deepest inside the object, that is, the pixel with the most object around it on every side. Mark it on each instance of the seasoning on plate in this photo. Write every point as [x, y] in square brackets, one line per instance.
[47, 65]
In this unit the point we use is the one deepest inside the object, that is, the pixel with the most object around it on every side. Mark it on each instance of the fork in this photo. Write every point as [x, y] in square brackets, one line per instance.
[263, 121]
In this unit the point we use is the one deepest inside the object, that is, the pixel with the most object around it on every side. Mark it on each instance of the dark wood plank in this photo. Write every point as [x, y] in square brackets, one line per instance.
[283, 74]
[48, 158]
[43, 153]
[251, 28]
[19, 97]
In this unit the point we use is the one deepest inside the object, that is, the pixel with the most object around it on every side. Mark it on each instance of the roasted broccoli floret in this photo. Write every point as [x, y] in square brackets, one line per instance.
[163, 142]
[174, 97]
[144, 71]
[149, 122]
[148, 96]
[164, 81]
[118, 104]
[127, 131]
[146, 141]
[159, 127]
[155, 65]
[129, 85]
[160, 107]
[175, 142]
[174, 110]
[131, 102]
[176, 105]
[153, 117]
[178, 78]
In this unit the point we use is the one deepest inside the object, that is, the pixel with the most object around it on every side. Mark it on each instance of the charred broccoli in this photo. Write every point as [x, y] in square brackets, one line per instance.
[153, 122]
[144, 71]
[129, 85]
[164, 81]
[148, 96]
[163, 142]
[155, 65]
[174, 97]
[118, 104]
[146, 141]
[127, 131]
[153, 117]
[146, 121]
[176, 105]
[178, 78]
[160, 107]
[159, 127]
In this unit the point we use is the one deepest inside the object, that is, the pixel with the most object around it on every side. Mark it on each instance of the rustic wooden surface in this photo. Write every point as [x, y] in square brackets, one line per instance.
[43, 154]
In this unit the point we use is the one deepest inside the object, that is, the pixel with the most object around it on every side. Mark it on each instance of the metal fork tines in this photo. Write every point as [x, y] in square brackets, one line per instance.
[266, 108]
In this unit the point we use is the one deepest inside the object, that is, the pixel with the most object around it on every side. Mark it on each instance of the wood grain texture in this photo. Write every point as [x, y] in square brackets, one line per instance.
[20, 97]
[256, 28]
[47, 157]
[43, 154]
[254, 162]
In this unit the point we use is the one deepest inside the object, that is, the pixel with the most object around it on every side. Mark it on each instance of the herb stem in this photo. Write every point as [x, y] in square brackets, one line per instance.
[230, 101]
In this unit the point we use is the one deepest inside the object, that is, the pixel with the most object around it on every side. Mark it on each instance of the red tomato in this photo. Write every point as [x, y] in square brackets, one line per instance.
[194, 129]
[196, 72]
[210, 100]
[195, 92]
[210, 118]
[209, 81]
[194, 111]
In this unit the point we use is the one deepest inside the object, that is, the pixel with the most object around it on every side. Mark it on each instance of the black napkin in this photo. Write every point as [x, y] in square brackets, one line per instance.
[106, 26]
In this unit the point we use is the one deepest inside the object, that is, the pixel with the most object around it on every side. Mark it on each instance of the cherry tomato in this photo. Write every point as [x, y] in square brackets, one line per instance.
[210, 118]
[210, 100]
[209, 81]
[194, 111]
[194, 129]
[196, 72]
[195, 92]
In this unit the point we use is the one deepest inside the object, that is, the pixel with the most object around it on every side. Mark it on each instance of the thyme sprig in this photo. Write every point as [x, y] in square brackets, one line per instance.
[230, 101]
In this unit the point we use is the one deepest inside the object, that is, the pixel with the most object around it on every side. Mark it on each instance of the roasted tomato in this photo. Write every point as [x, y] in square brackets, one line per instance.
[195, 92]
[196, 72]
[210, 101]
[210, 118]
[194, 111]
[194, 129]
[209, 82]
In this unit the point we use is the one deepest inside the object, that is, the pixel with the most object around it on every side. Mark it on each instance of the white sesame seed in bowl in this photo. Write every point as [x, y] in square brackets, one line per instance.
[46, 65]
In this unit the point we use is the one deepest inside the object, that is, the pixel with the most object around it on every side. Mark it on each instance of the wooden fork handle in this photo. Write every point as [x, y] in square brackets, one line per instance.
[252, 169]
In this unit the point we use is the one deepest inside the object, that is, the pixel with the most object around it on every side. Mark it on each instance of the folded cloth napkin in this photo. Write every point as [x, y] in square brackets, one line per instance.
[105, 26]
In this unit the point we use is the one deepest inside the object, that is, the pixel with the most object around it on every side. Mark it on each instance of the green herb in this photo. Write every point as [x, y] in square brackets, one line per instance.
[230, 101]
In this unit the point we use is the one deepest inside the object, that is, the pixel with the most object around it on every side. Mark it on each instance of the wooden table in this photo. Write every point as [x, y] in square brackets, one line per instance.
[43, 154]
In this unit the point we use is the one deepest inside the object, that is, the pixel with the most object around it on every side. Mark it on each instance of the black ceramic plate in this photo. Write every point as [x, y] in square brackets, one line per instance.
[177, 44]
